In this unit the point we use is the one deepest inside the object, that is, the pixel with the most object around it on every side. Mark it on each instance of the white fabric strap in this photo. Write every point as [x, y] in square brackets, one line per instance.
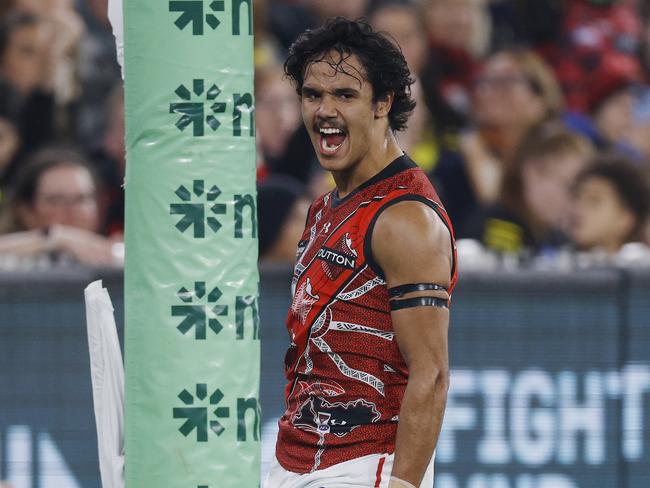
[115, 15]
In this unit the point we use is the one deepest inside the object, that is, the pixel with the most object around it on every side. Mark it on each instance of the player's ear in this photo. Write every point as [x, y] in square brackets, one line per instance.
[383, 105]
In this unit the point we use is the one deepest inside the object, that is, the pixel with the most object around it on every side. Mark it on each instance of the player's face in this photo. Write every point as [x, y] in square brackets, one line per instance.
[339, 112]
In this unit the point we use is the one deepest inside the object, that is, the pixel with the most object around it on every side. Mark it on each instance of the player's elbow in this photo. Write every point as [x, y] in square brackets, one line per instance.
[441, 381]
[432, 382]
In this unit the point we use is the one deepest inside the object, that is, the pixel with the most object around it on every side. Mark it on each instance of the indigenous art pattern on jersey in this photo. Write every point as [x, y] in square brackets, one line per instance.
[346, 376]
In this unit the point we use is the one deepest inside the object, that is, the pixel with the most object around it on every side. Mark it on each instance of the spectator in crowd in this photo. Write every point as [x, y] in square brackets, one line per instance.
[595, 35]
[277, 115]
[400, 19]
[613, 96]
[458, 34]
[22, 53]
[64, 29]
[533, 211]
[267, 48]
[25, 98]
[282, 210]
[576, 37]
[98, 73]
[53, 209]
[611, 206]
[514, 92]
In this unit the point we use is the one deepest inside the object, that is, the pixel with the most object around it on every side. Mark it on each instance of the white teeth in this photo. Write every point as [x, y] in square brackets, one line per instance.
[330, 130]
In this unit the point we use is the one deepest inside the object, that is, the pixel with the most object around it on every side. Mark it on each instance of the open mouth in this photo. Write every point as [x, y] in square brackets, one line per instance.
[331, 140]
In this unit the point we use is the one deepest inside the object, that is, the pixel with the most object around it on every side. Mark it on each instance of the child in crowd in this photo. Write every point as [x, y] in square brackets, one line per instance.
[611, 207]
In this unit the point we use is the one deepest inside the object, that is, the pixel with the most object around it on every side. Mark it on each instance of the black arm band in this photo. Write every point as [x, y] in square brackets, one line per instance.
[401, 290]
[419, 302]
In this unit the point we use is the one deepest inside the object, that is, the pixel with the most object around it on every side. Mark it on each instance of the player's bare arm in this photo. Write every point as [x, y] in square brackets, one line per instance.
[413, 246]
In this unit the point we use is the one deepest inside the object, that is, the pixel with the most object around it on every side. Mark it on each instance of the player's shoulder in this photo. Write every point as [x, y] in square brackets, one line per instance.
[411, 239]
[411, 183]
[411, 219]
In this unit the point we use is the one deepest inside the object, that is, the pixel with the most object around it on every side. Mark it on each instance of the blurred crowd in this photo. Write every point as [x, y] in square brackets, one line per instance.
[532, 121]
[61, 135]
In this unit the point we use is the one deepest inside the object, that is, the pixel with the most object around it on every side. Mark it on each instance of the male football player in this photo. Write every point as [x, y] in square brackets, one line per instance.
[367, 367]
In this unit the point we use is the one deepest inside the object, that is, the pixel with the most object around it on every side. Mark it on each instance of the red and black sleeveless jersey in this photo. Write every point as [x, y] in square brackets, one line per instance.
[346, 376]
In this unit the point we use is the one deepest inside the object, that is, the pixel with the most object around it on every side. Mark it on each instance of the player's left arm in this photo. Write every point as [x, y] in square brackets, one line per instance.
[412, 245]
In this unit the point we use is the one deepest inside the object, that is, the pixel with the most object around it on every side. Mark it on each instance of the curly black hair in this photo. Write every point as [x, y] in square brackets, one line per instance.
[383, 62]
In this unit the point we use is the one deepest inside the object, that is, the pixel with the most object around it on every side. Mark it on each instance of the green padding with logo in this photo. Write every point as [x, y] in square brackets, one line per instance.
[191, 282]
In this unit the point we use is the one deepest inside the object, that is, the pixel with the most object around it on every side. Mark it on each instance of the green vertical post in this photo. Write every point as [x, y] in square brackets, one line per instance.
[191, 282]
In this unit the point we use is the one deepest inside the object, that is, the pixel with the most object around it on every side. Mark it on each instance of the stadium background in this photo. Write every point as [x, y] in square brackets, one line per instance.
[548, 345]
[550, 379]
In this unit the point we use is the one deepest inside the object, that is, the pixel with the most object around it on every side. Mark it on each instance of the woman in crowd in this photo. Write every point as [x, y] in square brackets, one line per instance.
[532, 214]
[612, 205]
[458, 32]
[53, 210]
[24, 101]
[277, 117]
[514, 91]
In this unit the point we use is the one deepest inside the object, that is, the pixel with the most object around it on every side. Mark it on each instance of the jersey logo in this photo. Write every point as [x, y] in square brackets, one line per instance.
[326, 227]
[318, 415]
[338, 258]
[333, 257]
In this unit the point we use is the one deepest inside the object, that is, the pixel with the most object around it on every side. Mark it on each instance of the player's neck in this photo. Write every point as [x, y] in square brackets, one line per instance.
[377, 158]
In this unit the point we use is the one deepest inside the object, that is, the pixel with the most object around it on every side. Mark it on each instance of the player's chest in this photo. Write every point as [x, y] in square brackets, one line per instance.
[330, 252]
